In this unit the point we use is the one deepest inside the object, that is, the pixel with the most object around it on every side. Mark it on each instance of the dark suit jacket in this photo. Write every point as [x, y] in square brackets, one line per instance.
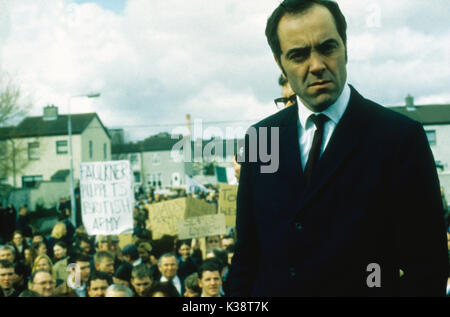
[375, 199]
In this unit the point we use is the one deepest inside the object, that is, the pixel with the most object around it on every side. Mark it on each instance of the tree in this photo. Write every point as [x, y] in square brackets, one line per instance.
[12, 109]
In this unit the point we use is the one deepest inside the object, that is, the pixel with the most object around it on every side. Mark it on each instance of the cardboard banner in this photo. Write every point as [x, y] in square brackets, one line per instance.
[204, 226]
[164, 216]
[107, 197]
[227, 203]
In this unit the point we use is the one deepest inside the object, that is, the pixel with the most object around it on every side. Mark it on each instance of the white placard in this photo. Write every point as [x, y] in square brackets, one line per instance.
[107, 197]
[203, 226]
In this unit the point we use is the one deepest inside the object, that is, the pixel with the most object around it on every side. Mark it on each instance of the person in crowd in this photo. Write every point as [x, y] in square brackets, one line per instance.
[20, 244]
[209, 279]
[187, 264]
[29, 293]
[104, 262]
[227, 241]
[23, 222]
[59, 233]
[314, 221]
[7, 252]
[123, 274]
[59, 251]
[83, 244]
[98, 284]
[7, 277]
[61, 260]
[220, 257]
[7, 223]
[42, 282]
[118, 290]
[76, 283]
[37, 248]
[213, 241]
[43, 262]
[141, 280]
[144, 248]
[111, 244]
[130, 254]
[22, 273]
[163, 289]
[168, 267]
[191, 286]
[287, 94]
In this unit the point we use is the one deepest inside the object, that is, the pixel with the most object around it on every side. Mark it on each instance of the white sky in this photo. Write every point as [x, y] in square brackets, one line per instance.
[155, 61]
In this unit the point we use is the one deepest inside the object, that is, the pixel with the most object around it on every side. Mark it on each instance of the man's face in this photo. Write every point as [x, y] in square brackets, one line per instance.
[97, 288]
[43, 284]
[18, 239]
[286, 92]
[141, 286]
[210, 283]
[85, 270]
[168, 267]
[37, 238]
[85, 247]
[7, 277]
[106, 265]
[7, 255]
[313, 57]
[59, 252]
[213, 241]
[42, 249]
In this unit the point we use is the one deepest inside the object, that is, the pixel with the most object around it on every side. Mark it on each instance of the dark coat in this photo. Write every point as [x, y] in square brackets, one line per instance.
[375, 199]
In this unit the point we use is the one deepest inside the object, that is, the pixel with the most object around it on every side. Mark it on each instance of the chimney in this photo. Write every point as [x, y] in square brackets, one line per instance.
[409, 100]
[50, 113]
[188, 124]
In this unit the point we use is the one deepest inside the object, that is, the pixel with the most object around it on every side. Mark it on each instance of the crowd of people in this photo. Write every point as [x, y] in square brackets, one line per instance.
[70, 263]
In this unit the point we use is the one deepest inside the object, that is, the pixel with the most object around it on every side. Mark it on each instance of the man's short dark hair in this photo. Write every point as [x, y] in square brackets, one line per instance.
[210, 265]
[191, 282]
[96, 275]
[296, 7]
[62, 244]
[100, 255]
[141, 271]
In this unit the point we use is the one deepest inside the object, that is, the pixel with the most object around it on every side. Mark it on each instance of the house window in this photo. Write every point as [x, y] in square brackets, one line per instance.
[91, 149]
[30, 181]
[104, 151]
[431, 136]
[33, 151]
[137, 177]
[61, 147]
[155, 159]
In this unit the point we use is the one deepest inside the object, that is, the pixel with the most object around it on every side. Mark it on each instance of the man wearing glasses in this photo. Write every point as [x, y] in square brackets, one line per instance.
[287, 94]
[42, 283]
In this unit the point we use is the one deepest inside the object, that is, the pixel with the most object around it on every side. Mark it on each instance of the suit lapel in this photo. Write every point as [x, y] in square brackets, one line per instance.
[346, 136]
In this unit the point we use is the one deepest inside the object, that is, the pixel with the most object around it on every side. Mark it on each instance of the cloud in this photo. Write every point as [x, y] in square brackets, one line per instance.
[158, 60]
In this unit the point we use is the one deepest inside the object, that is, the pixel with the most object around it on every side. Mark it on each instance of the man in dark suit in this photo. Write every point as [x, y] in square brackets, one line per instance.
[350, 204]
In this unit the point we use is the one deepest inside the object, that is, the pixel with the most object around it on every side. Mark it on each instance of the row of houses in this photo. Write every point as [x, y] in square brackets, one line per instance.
[34, 155]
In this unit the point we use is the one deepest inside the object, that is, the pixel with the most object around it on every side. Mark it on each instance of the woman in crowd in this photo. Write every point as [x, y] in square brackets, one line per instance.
[187, 264]
[59, 233]
[20, 244]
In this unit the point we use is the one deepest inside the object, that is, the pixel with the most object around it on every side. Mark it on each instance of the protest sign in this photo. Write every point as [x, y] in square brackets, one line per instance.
[203, 226]
[107, 197]
[164, 216]
[227, 203]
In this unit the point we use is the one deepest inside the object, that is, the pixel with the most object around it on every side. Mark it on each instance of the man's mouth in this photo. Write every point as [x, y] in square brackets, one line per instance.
[320, 83]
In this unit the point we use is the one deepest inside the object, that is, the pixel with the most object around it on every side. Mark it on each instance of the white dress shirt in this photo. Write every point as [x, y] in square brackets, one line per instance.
[307, 128]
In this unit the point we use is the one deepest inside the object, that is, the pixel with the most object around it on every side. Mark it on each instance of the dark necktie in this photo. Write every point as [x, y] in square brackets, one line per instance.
[314, 153]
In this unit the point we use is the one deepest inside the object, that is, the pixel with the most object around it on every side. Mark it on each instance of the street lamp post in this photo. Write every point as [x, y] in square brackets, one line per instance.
[73, 206]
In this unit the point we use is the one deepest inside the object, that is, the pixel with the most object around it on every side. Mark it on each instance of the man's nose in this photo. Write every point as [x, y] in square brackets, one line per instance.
[317, 65]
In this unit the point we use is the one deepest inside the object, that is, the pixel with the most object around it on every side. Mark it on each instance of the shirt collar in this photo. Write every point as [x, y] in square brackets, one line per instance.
[333, 112]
